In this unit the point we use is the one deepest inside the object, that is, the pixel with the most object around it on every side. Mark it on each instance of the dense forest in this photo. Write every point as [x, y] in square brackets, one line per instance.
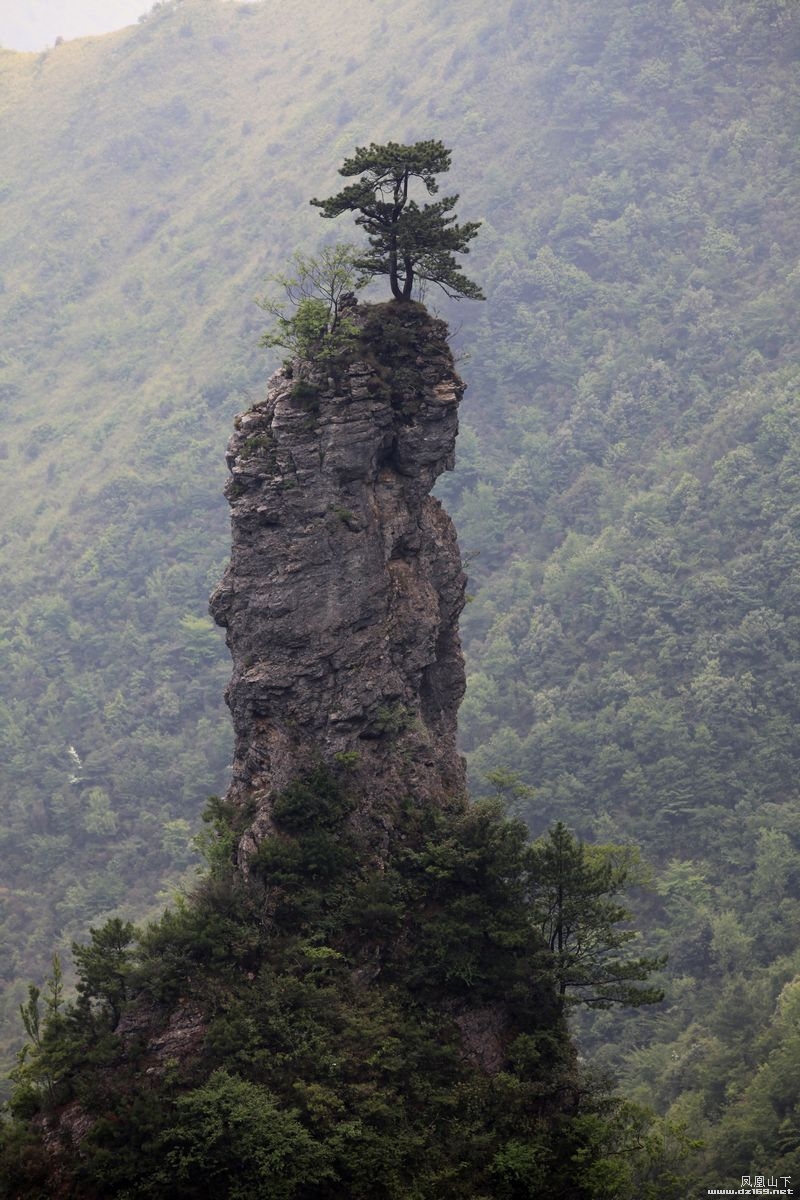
[626, 490]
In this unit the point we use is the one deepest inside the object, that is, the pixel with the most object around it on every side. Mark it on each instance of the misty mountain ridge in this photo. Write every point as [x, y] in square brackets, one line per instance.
[626, 485]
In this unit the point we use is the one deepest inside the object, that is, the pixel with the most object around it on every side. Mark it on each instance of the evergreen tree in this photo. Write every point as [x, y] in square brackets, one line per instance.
[105, 966]
[328, 1047]
[574, 889]
[407, 242]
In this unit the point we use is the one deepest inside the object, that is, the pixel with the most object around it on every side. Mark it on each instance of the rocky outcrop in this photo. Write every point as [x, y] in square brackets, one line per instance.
[341, 605]
[345, 584]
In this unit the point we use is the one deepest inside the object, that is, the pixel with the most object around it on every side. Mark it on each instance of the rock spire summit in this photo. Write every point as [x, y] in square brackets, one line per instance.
[345, 583]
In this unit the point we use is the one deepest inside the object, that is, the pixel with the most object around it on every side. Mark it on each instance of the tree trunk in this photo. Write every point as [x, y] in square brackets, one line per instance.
[393, 279]
[408, 284]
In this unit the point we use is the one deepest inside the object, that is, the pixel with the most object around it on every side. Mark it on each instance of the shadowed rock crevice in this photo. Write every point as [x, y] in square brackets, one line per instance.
[345, 584]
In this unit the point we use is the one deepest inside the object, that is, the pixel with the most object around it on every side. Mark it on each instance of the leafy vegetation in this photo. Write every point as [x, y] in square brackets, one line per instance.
[317, 327]
[347, 1025]
[626, 487]
[629, 513]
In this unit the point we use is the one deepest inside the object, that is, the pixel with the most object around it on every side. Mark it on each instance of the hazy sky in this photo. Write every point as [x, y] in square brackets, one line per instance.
[35, 24]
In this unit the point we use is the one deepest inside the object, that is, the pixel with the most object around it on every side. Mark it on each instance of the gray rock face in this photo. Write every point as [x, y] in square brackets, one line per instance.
[345, 584]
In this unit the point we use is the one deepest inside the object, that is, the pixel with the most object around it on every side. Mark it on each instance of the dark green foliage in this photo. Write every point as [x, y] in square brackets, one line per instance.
[303, 867]
[232, 1140]
[316, 801]
[24, 1163]
[470, 882]
[105, 966]
[574, 892]
[328, 1058]
[407, 242]
[306, 393]
[396, 343]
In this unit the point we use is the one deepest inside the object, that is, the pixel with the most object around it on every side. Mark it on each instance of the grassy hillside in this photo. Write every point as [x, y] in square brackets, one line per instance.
[626, 485]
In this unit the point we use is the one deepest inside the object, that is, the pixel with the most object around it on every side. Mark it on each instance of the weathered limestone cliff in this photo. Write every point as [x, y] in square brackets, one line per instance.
[345, 584]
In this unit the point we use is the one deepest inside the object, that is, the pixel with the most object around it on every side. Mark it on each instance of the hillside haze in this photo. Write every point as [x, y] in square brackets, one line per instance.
[38, 23]
[626, 488]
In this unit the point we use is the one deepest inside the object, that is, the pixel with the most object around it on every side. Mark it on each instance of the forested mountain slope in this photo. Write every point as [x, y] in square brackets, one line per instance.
[634, 638]
[628, 460]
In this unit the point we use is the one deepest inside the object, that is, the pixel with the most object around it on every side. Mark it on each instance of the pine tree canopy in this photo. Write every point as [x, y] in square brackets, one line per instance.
[407, 241]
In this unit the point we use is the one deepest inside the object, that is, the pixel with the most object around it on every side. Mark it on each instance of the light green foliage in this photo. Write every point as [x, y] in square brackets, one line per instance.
[199, 638]
[632, 632]
[349, 759]
[42, 1060]
[319, 329]
[217, 842]
[99, 817]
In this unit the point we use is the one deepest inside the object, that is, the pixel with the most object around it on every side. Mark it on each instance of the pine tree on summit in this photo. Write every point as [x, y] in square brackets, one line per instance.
[407, 241]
